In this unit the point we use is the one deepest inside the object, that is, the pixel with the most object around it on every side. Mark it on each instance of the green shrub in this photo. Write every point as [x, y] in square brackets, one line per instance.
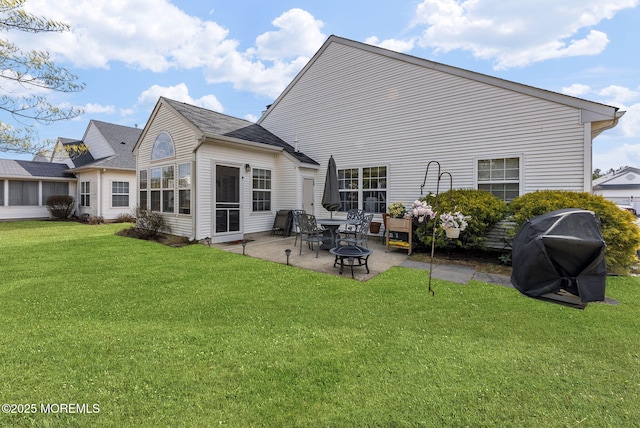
[619, 230]
[149, 223]
[60, 206]
[485, 211]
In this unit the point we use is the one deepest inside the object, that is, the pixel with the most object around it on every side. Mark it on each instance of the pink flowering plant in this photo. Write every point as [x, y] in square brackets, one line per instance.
[421, 211]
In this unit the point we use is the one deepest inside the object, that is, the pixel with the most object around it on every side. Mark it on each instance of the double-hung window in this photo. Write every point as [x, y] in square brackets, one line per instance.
[1, 193]
[184, 188]
[119, 194]
[142, 184]
[85, 193]
[363, 188]
[500, 176]
[261, 196]
[162, 189]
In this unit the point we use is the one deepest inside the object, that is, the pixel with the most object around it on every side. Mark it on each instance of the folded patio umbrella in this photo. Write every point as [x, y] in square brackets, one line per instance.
[560, 251]
[331, 194]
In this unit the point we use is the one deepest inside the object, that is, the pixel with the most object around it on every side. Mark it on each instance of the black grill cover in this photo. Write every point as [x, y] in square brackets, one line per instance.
[560, 250]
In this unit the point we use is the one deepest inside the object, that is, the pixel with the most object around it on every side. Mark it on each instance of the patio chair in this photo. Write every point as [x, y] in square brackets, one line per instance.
[294, 226]
[360, 235]
[353, 214]
[310, 232]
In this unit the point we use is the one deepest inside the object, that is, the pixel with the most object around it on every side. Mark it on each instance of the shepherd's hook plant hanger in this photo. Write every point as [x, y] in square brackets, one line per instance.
[435, 210]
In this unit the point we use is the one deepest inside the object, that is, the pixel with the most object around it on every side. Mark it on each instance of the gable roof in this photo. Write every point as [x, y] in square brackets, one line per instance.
[590, 111]
[29, 169]
[625, 178]
[213, 124]
[121, 139]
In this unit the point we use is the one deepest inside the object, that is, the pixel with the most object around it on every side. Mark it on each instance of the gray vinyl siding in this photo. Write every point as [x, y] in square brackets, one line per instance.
[368, 109]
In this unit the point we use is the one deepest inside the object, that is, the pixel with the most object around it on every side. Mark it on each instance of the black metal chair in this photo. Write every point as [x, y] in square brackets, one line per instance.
[353, 214]
[310, 232]
[358, 236]
[295, 228]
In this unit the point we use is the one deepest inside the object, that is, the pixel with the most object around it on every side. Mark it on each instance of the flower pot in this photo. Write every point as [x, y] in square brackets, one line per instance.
[375, 227]
[452, 232]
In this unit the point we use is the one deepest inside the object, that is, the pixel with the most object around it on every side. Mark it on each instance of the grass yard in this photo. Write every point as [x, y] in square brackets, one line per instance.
[193, 336]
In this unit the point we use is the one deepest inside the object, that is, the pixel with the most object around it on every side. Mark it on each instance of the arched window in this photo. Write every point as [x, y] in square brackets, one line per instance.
[162, 147]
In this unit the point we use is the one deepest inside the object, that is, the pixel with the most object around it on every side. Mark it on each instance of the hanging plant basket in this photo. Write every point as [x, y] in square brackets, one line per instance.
[452, 232]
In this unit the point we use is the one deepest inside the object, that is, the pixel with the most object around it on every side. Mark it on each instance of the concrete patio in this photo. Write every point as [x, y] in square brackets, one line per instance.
[272, 248]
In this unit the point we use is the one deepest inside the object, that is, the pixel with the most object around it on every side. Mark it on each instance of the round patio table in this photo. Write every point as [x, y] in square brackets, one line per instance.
[352, 254]
[331, 226]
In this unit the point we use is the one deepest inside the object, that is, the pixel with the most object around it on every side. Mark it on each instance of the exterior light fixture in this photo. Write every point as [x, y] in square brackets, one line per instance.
[288, 253]
[247, 167]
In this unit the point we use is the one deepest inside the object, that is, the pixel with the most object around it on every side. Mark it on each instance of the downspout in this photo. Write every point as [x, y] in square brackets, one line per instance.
[194, 186]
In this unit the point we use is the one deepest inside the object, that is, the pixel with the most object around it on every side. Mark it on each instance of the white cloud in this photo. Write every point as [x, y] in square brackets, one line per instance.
[516, 34]
[576, 90]
[251, 118]
[93, 108]
[619, 95]
[155, 35]
[392, 44]
[179, 92]
[627, 154]
[629, 125]
[298, 35]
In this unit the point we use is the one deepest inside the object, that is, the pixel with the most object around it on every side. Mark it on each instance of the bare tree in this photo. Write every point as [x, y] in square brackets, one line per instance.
[32, 69]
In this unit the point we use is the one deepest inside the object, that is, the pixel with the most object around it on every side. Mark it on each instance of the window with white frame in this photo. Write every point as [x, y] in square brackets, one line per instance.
[168, 183]
[85, 193]
[155, 192]
[500, 176]
[1, 193]
[119, 194]
[51, 188]
[261, 199]
[142, 184]
[363, 188]
[184, 188]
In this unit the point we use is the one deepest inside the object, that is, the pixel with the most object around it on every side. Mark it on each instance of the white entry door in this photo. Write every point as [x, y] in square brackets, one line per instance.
[227, 216]
[307, 195]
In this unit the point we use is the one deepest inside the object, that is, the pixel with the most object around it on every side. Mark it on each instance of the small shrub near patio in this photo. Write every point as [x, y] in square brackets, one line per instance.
[60, 206]
[149, 223]
[125, 218]
[619, 230]
[95, 219]
[480, 208]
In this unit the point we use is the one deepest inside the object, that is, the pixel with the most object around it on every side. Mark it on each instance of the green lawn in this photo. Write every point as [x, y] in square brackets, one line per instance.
[193, 336]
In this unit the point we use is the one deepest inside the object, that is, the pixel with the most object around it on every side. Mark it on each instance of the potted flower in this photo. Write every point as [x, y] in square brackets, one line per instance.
[421, 212]
[454, 223]
[397, 210]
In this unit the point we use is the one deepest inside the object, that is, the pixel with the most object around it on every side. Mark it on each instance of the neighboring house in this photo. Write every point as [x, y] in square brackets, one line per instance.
[621, 187]
[384, 116]
[25, 187]
[105, 169]
[216, 176]
[98, 171]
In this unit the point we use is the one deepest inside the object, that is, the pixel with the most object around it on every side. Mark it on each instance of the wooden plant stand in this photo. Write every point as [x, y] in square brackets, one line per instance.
[400, 225]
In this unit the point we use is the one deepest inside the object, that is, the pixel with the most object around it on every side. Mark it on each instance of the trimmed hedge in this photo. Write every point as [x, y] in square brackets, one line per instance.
[619, 228]
[60, 206]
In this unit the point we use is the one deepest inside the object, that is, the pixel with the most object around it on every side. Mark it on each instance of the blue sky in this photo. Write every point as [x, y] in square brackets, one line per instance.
[236, 56]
